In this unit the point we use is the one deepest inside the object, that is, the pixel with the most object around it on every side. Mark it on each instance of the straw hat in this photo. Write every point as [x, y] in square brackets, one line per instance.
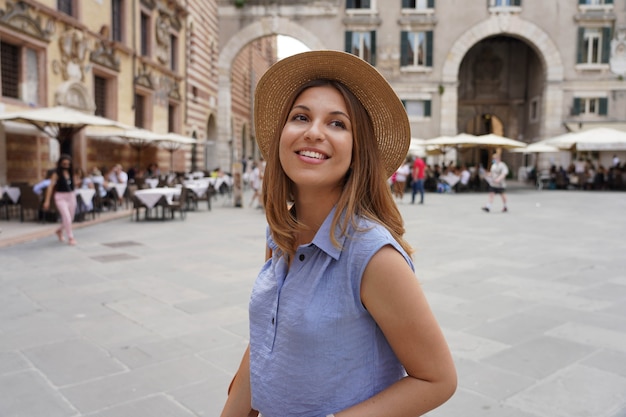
[283, 79]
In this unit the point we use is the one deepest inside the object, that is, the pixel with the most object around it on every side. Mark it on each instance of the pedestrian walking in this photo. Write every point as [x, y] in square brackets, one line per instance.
[496, 178]
[339, 325]
[418, 174]
[62, 187]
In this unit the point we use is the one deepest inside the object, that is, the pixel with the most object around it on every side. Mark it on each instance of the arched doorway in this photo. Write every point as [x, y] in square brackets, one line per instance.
[501, 86]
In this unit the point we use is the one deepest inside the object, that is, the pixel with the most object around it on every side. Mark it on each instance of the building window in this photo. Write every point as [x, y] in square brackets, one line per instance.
[117, 20]
[172, 117]
[505, 3]
[418, 4]
[20, 73]
[100, 86]
[416, 49]
[594, 45]
[140, 111]
[145, 34]
[11, 67]
[362, 44]
[67, 7]
[359, 4]
[586, 106]
[417, 109]
[595, 2]
[173, 52]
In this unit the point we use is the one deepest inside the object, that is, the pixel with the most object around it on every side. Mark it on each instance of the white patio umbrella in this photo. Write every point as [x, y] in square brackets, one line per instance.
[465, 140]
[173, 142]
[600, 139]
[537, 147]
[59, 122]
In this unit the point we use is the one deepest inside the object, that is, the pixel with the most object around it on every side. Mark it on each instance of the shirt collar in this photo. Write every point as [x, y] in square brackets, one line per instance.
[322, 238]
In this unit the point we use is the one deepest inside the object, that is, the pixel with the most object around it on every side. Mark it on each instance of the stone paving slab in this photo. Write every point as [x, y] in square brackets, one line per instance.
[150, 318]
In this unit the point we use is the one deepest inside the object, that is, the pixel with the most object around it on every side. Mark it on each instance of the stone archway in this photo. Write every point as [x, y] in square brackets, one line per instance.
[266, 26]
[518, 28]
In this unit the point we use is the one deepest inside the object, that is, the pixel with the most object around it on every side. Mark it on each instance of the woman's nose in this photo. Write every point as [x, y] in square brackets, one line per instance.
[314, 131]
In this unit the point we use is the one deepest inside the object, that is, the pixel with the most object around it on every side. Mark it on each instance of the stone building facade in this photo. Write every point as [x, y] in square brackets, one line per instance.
[120, 59]
[524, 69]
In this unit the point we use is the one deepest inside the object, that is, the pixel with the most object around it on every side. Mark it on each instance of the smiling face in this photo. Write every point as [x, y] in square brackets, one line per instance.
[315, 146]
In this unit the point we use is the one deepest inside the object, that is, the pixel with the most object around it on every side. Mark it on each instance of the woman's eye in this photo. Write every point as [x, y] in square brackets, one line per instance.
[300, 117]
[338, 123]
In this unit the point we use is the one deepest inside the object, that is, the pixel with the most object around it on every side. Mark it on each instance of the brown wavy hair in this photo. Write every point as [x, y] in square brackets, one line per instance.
[365, 190]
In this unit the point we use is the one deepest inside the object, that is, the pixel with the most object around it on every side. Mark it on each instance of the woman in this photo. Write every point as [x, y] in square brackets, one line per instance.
[62, 185]
[339, 324]
[402, 173]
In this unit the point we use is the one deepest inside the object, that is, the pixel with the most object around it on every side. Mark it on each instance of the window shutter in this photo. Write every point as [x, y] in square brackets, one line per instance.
[349, 4]
[406, 4]
[606, 45]
[404, 49]
[517, 2]
[576, 107]
[582, 1]
[429, 48]
[608, 1]
[604, 106]
[365, 4]
[427, 104]
[431, 4]
[349, 41]
[373, 35]
[581, 45]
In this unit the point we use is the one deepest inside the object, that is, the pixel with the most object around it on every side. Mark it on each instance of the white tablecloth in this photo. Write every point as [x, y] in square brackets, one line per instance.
[120, 188]
[199, 187]
[12, 192]
[152, 182]
[150, 196]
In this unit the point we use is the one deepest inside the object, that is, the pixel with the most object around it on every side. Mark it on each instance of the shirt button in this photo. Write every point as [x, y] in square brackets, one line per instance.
[301, 257]
[272, 320]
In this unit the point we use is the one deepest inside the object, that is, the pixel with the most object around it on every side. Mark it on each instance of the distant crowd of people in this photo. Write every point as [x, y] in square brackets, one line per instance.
[417, 176]
[584, 174]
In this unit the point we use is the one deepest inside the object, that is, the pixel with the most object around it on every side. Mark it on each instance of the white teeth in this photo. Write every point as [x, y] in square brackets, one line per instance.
[312, 154]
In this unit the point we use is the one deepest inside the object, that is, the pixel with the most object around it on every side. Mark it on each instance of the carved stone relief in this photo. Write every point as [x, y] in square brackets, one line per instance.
[104, 54]
[22, 17]
[163, 40]
[618, 52]
[144, 77]
[74, 50]
[75, 94]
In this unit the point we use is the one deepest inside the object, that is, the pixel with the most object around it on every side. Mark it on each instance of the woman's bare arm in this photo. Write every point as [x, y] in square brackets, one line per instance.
[394, 298]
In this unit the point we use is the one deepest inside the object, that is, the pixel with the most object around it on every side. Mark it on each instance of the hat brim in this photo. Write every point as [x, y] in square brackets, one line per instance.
[284, 78]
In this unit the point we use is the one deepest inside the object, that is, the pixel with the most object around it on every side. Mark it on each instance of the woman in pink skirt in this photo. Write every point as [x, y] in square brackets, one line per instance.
[62, 185]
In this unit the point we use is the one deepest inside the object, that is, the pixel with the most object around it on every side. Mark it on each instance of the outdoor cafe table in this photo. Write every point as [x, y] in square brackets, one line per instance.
[9, 195]
[199, 187]
[120, 189]
[151, 196]
[86, 196]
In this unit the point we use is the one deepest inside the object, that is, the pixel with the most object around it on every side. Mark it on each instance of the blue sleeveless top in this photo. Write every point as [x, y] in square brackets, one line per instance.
[314, 348]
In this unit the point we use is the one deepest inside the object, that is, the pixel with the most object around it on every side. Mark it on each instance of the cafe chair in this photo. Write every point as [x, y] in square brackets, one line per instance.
[137, 204]
[177, 205]
[29, 202]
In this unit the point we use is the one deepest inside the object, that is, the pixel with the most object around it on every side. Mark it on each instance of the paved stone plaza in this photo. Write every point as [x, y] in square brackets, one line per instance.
[150, 318]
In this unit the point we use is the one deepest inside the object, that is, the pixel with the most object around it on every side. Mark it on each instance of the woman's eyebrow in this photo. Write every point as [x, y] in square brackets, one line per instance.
[336, 112]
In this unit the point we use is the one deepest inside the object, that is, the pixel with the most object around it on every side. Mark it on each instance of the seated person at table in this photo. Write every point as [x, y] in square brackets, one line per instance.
[96, 178]
[117, 176]
[43, 184]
